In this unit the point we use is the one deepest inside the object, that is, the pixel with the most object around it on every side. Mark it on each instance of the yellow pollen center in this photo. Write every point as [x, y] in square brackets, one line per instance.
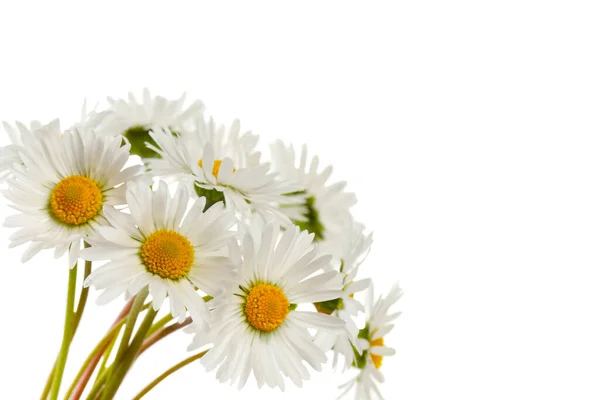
[168, 254]
[377, 359]
[75, 200]
[216, 167]
[266, 307]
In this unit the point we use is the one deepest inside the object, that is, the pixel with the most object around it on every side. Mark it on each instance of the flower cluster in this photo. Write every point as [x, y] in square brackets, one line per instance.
[261, 260]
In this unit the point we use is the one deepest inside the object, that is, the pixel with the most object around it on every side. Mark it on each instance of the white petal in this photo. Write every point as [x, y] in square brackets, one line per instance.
[318, 320]
[383, 351]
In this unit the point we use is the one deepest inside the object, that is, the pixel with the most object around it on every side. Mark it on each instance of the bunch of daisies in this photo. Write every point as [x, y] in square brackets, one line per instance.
[154, 202]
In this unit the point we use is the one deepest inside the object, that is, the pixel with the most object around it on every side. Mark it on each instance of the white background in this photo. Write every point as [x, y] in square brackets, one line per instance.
[468, 129]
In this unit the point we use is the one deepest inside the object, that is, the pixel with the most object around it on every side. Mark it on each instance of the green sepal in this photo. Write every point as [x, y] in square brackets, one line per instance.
[330, 305]
[212, 196]
[138, 136]
[312, 223]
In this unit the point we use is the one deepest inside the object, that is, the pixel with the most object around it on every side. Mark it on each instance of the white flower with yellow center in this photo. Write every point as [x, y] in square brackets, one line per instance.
[372, 349]
[134, 119]
[20, 133]
[258, 328]
[62, 186]
[349, 252]
[159, 245]
[325, 207]
[223, 166]
[9, 155]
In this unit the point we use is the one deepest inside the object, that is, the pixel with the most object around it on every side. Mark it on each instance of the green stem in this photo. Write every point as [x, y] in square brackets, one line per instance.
[84, 291]
[98, 385]
[110, 335]
[101, 350]
[124, 364]
[49, 381]
[160, 324]
[111, 346]
[80, 307]
[67, 335]
[131, 319]
[107, 353]
[152, 339]
[168, 372]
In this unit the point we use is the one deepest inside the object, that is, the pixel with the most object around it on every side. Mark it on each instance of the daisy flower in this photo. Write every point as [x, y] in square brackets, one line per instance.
[258, 327]
[325, 207]
[159, 245]
[372, 348]
[223, 165]
[62, 186]
[134, 119]
[349, 253]
[9, 155]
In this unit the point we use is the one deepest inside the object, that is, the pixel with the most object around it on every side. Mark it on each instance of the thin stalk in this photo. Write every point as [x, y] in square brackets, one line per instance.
[78, 313]
[110, 348]
[168, 318]
[145, 345]
[67, 335]
[131, 319]
[80, 383]
[98, 385]
[98, 351]
[160, 323]
[49, 381]
[124, 364]
[84, 290]
[168, 372]
[163, 333]
[107, 354]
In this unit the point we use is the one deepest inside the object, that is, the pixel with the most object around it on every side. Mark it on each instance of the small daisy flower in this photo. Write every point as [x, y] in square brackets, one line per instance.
[349, 253]
[9, 155]
[325, 207]
[134, 120]
[372, 348]
[62, 186]
[258, 327]
[159, 245]
[223, 166]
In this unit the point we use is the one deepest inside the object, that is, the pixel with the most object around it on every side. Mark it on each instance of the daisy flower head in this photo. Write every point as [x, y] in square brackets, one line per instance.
[259, 328]
[222, 165]
[349, 253]
[324, 208]
[372, 348]
[9, 155]
[62, 186]
[165, 246]
[133, 120]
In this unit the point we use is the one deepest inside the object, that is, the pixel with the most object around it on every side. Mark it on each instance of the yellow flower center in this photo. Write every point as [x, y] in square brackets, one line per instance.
[216, 167]
[377, 359]
[168, 254]
[266, 307]
[75, 200]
